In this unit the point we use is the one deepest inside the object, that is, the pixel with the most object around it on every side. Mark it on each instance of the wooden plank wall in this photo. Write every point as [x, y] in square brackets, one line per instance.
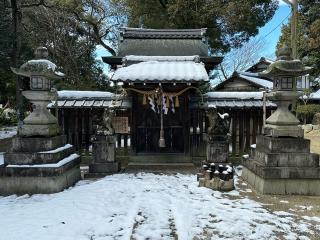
[245, 125]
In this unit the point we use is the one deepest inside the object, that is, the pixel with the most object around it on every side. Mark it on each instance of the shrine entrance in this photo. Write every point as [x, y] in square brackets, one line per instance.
[147, 124]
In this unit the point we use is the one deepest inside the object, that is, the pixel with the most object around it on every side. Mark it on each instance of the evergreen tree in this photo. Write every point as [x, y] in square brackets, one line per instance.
[229, 23]
[308, 32]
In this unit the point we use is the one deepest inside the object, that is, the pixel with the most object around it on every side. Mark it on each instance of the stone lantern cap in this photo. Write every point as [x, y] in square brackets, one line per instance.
[40, 66]
[285, 65]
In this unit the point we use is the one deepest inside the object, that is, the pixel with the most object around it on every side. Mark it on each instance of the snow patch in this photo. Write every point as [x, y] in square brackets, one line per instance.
[58, 149]
[8, 132]
[142, 206]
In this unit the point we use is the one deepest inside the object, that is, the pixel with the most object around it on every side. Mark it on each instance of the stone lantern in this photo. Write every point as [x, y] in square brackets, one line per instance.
[280, 162]
[40, 160]
[284, 73]
[40, 71]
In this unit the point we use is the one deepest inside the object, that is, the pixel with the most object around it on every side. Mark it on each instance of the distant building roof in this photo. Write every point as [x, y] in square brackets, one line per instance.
[256, 80]
[251, 78]
[158, 71]
[261, 65]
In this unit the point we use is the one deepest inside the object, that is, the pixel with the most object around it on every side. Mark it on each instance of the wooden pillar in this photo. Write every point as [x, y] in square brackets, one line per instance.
[254, 127]
[234, 132]
[247, 123]
[241, 132]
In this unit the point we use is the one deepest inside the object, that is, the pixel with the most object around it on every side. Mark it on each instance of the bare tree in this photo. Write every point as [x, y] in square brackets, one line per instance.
[241, 59]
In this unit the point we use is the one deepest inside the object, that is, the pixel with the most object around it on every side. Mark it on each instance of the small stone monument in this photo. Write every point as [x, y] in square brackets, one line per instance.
[216, 173]
[40, 161]
[104, 148]
[281, 162]
[217, 136]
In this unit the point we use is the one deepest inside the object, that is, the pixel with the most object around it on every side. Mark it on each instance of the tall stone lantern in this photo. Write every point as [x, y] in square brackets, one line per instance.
[41, 72]
[284, 72]
[40, 160]
[281, 162]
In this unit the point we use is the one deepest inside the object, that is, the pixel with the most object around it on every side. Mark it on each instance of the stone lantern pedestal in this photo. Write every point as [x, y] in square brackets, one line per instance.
[281, 162]
[40, 160]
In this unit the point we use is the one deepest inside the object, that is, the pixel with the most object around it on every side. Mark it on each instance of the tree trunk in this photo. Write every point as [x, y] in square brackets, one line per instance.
[16, 48]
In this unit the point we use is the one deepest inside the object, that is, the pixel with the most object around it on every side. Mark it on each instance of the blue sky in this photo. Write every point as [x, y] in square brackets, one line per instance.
[270, 33]
[271, 39]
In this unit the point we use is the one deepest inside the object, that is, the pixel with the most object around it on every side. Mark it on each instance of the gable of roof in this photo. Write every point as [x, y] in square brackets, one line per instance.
[261, 65]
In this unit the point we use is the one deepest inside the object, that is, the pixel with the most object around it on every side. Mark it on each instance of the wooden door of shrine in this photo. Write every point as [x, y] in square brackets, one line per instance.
[147, 128]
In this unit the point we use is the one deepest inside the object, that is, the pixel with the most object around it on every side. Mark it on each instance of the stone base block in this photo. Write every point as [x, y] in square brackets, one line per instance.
[282, 186]
[37, 184]
[283, 131]
[48, 130]
[107, 168]
[286, 159]
[282, 145]
[37, 144]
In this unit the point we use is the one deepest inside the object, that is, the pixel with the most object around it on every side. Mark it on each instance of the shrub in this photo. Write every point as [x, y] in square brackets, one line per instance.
[307, 111]
[8, 117]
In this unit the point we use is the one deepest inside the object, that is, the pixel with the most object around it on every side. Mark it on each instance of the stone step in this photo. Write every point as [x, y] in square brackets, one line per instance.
[161, 167]
[163, 158]
[43, 170]
[268, 172]
[44, 157]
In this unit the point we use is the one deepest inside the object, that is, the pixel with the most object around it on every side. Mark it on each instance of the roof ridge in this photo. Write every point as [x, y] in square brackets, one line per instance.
[163, 33]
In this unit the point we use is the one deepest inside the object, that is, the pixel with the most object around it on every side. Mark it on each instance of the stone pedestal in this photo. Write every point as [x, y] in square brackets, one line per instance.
[103, 156]
[217, 148]
[282, 166]
[39, 165]
[217, 151]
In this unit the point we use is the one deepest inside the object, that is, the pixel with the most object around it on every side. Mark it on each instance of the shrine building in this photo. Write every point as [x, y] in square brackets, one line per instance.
[163, 92]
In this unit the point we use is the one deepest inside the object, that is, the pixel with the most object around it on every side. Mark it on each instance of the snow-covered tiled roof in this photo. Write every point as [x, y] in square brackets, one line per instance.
[235, 95]
[236, 100]
[89, 99]
[162, 71]
[70, 94]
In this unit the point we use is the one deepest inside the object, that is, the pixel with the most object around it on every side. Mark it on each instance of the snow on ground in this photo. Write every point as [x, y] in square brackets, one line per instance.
[145, 206]
[8, 132]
